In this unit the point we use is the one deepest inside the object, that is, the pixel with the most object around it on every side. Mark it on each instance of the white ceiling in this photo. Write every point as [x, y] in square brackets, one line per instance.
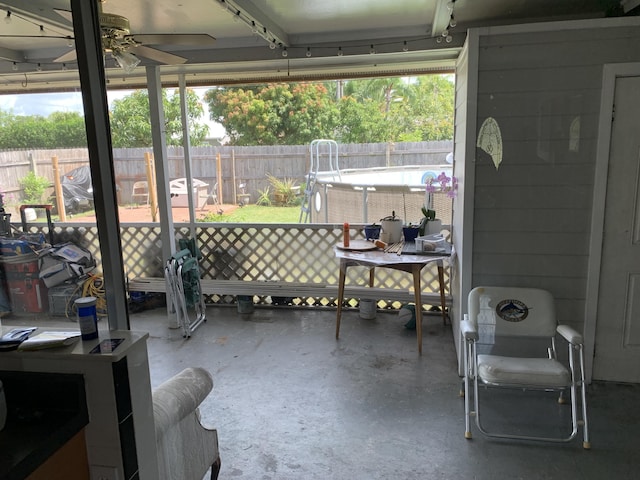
[323, 28]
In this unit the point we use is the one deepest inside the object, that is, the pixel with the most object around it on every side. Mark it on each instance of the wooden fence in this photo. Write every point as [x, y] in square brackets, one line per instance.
[237, 165]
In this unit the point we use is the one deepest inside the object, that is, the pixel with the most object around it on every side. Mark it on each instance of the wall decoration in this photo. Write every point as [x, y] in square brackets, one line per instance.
[490, 140]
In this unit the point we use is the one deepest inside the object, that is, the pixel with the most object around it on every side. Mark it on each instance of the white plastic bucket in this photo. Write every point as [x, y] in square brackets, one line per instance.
[30, 214]
[391, 231]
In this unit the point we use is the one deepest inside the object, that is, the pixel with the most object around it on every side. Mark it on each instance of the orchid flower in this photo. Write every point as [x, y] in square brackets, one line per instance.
[441, 184]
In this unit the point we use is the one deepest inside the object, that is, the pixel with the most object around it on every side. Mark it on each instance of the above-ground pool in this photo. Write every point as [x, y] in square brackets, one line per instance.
[367, 195]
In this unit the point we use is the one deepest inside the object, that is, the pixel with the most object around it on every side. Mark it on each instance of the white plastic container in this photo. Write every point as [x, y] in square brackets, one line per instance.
[87, 317]
[430, 243]
[391, 230]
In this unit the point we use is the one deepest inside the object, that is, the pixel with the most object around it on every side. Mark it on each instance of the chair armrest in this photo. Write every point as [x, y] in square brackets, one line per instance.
[468, 329]
[570, 335]
[180, 396]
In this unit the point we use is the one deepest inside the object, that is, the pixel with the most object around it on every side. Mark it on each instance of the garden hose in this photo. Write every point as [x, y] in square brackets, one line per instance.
[94, 287]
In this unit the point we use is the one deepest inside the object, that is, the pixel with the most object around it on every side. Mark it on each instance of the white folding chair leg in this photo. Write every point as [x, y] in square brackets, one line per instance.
[186, 331]
[586, 443]
[468, 352]
[171, 292]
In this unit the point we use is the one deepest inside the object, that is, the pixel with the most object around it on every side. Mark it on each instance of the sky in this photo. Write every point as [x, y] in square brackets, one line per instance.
[46, 103]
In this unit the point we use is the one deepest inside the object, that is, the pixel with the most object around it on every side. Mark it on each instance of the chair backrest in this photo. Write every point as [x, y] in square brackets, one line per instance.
[140, 187]
[515, 311]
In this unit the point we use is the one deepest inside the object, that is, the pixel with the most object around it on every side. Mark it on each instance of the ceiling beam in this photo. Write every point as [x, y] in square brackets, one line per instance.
[11, 55]
[39, 12]
[274, 33]
[441, 18]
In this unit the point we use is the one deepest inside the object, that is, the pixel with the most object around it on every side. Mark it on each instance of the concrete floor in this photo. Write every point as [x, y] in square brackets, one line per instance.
[292, 403]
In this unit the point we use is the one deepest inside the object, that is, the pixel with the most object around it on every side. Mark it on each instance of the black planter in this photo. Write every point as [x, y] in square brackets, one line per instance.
[410, 233]
[372, 232]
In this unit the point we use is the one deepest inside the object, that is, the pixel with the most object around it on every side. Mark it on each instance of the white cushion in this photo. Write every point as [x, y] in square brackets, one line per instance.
[526, 372]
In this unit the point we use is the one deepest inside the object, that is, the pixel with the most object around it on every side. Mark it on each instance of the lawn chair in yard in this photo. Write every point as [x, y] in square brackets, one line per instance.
[182, 277]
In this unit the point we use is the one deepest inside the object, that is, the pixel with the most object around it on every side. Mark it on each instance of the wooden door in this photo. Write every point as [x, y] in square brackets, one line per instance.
[617, 342]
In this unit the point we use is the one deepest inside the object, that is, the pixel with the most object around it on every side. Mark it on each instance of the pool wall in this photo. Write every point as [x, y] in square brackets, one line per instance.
[369, 194]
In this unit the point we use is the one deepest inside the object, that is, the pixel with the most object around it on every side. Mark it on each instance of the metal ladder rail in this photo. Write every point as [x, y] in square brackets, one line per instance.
[315, 155]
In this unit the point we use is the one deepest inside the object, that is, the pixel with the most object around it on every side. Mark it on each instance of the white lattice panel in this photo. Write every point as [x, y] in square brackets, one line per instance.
[291, 253]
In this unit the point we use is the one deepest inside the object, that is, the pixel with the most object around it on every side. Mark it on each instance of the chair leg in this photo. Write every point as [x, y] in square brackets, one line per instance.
[215, 469]
[467, 407]
[586, 443]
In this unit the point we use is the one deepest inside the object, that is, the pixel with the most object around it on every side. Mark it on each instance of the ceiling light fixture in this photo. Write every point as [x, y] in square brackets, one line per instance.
[446, 34]
[340, 52]
[38, 68]
[14, 67]
[7, 19]
[405, 47]
[308, 54]
[284, 52]
[127, 61]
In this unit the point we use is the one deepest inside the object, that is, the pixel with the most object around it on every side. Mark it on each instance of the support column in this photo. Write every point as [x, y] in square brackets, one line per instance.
[86, 26]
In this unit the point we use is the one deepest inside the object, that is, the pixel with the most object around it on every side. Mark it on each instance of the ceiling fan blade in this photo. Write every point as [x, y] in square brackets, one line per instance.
[70, 56]
[66, 14]
[195, 39]
[157, 55]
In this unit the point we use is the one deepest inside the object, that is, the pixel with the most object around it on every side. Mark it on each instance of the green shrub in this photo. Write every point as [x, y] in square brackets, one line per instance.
[33, 187]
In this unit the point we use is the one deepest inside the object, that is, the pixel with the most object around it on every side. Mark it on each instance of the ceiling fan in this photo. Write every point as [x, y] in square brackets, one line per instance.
[126, 47]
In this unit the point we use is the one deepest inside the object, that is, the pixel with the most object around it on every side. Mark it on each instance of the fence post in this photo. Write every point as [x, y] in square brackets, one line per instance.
[151, 185]
[219, 178]
[57, 186]
[32, 163]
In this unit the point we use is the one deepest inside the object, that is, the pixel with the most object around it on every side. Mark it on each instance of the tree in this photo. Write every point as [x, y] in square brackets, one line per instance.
[371, 110]
[274, 114]
[416, 109]
[432, 108]
[68, 129]
[131, 125]
[58, 130]
[383, 91]
[362, 122]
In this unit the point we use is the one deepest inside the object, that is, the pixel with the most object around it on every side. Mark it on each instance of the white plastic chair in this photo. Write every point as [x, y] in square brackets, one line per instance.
[140, 190]
[501, 316]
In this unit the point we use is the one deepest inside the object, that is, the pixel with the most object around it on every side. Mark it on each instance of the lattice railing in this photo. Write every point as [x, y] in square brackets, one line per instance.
[289, 253]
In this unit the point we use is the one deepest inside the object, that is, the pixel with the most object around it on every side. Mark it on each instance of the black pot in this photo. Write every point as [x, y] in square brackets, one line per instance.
[372, 232]
[410, 233]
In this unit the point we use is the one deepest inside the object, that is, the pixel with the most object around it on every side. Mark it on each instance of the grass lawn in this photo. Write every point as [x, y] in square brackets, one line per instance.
[256, 214]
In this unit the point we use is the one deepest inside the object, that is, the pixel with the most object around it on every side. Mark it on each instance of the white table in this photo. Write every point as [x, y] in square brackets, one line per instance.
[407, 263]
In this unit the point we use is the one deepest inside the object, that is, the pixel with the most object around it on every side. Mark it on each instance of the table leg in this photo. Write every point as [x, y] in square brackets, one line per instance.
[372, 274]
[341, 278]
[415, 270]
[443, 305]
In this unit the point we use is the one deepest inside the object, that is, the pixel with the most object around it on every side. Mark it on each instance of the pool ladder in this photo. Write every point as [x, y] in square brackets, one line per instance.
[318, 149]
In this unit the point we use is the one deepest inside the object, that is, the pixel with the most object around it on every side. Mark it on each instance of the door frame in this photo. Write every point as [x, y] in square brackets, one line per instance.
[611, 72]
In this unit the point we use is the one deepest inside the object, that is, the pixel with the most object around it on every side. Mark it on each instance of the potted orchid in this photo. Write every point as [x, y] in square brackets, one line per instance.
[440, 184]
